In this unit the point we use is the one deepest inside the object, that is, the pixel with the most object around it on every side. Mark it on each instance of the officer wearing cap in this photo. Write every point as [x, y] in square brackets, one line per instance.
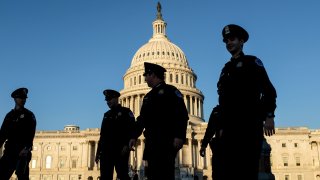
[163, 117]
[247, 101]
[115, 133]
[17, 131]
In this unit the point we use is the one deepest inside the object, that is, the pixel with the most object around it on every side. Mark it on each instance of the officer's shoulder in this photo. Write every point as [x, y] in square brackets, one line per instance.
[28, 111]
[125, 109]
[254, 60]
[174, 90]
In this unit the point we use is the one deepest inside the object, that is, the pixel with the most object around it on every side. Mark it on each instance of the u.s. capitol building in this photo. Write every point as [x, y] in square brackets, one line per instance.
[69, 154]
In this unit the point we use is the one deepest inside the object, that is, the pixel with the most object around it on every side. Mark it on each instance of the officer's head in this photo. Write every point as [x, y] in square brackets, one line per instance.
[153, 73]
[112, 97]
[232, 31]
[20, 95]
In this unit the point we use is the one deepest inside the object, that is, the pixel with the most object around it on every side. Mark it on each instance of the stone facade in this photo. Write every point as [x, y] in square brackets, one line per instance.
[69, 155]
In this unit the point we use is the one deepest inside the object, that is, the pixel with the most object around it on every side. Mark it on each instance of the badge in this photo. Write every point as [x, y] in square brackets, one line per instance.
[239, 64]
[259, 62]
[226, 30]
[161, 91]
[21, 116]
[178, 93]
[119, 113]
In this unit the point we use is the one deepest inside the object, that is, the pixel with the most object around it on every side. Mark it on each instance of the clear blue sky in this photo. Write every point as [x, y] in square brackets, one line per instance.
[68, 51]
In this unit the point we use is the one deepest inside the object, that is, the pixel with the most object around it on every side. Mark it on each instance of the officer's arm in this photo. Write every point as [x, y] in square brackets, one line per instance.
[102, 135]
[4, 130]
[31, 133]
[180, 115]
[212, 126]
[269, 94]
[138, 127]
[131, 122]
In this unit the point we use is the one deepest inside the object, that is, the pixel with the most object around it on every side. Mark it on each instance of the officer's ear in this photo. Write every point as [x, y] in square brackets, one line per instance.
[241, 41]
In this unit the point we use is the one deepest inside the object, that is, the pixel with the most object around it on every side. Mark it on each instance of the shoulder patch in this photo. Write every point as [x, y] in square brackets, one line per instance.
[259, 62]
[131, 114]
[178, 93]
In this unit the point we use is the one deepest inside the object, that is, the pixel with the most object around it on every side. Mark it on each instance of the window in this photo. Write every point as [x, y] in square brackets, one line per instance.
[74, 164]
[182, 79]
[285, 161]
[33, 163]
[297, 161]
[48, 162]
[170, 77]
[299, 177]
[286, 177]
[295, 145]
[284, 145]
[62, 148]
[177, 78]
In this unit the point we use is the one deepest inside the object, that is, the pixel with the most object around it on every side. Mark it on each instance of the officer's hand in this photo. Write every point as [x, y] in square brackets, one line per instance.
[24, 152]
[177, 143]
[97, 158]
[132, 144]
[202, 151]
[125, 150]
[269, 126]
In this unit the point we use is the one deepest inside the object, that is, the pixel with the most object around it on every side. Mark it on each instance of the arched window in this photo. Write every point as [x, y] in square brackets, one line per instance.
[48, 162]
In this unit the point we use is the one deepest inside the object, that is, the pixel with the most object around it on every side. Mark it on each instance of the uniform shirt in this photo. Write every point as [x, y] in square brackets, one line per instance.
[116, 129]
[18, 128]
[163, 115]
[244, 88]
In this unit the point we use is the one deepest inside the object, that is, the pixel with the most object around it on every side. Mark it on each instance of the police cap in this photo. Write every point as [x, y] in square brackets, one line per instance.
[233, 30]
[109, 93]
[20, 93]
[153, 68]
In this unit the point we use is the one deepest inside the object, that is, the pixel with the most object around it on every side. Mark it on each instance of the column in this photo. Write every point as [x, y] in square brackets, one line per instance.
[95, 165]
[194, 156]
[190, 152]
[89, 155]
[202, 114]
[58, 158]
[131, 102]
[85, 155]
[70, 160]
[41, 155]
[196, 106]
[191, 105]
[200, 162]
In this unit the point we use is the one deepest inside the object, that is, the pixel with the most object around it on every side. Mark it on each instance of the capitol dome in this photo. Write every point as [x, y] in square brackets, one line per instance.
[160, 50]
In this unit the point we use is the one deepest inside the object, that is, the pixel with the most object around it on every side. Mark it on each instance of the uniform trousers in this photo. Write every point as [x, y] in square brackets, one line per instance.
[114, 160]
[11, 162]
[161, 163]
[236, 154]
